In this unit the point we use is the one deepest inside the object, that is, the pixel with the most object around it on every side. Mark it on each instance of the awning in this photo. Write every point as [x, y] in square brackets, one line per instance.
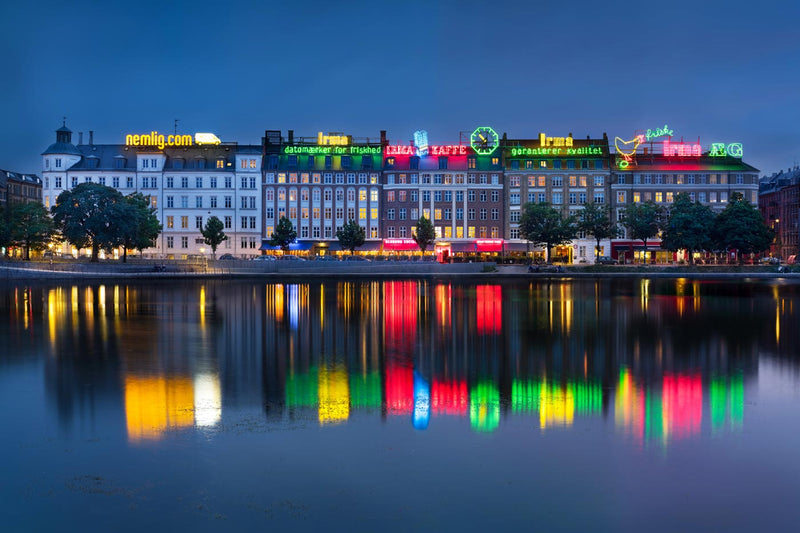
[489, 245]
[295, 246]
[519, 247]
[462, 247]
[400, 245]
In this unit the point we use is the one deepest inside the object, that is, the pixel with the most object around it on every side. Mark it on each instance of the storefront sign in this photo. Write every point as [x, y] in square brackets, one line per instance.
[158, 140]
[435, 150]
[721, 150]
[400, 244]
[489, 245]
[335, 139]
[332, 150]
[545, 141]
[682, 149]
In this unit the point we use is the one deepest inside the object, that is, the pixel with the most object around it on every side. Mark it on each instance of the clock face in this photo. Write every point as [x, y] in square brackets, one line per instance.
[484, 140]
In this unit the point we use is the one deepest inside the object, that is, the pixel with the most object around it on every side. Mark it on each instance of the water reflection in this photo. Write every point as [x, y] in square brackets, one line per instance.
[660, 361]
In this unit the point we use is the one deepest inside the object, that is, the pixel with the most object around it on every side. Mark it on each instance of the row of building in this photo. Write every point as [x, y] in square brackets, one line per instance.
[472, 190]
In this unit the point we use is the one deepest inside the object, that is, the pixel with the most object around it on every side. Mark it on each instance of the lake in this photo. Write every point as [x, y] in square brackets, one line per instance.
[435, 405]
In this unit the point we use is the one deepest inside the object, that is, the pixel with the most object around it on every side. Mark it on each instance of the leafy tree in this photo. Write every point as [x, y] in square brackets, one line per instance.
[136, 224]
[643, 220]
[213, 234]
[740, 227]
[595, 220]
[690, 227]
[86, 216]
[543, 225]
[351, 236]
[5, 234]
[31, 226]
[425, 235]
[284, 234]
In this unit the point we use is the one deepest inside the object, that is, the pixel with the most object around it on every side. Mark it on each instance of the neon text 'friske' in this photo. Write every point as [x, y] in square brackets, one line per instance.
[658, 132]
[158, 140]
[732, 150]
[555, 141]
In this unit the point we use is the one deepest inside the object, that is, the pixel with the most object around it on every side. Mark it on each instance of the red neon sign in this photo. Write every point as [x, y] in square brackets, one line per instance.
[681, 149]
[489, 245]
[437, 150]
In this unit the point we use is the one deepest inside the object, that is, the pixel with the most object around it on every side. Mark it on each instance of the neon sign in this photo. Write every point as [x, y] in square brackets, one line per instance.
[584, 150]
[157, 139]
[627, 149]
[658, 132]
[421, 142]
[332, 150]
[332, 139]
[437, 150]
[682, 149]
[206, 138]
[720, 150]
[555, 141]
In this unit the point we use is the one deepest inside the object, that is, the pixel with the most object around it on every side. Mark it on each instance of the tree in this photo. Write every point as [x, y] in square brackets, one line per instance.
[689, 227]
[740, 227]
[643, 220]
[425, 235]
[284, 234]
[213, 234]
[86, 216]
[595, 220]
[543, 225]
[31, 226]
[135, 224]
[351, 236]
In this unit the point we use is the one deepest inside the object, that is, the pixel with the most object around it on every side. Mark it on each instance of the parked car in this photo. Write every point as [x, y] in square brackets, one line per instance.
[770, 261]
[325, 258]
[356, 258]
[264, 258]
[605, 260]
[227, 257]
[289, 258]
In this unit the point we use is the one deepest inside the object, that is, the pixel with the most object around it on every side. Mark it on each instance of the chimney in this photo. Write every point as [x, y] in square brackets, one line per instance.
[383, 137]
[91, 137]
[291, 136]
[80, 138]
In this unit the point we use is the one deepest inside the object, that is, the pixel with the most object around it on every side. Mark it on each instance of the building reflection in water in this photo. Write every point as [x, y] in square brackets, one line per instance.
[662, 360]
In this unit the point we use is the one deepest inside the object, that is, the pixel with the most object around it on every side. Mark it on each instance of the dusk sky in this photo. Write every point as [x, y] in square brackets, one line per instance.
[720, 71]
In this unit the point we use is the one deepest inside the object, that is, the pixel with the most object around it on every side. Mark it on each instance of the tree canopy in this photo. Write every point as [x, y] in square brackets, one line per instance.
[351, 236]
[595, 220]
[284, 234]
[543, 225]
[689, 227]
[643, 220]
[30, 226]
[86, 216]
[214, 234]
[740, 227]
[136, 223]
[425, 235]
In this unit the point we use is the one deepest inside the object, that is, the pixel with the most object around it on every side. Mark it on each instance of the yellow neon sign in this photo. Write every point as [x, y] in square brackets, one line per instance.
[545, 141]
[333, 139]
[159, 140]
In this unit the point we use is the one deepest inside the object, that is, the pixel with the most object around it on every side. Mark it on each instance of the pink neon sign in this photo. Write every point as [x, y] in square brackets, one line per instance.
[681, 149]
[436, 150]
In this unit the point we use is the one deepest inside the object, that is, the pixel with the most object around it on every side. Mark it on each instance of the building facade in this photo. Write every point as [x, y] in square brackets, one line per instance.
[458, 188]
[18, 187]
[565, 172]
[187, 183]
[320, 183]
[779, 203]
[656, 168]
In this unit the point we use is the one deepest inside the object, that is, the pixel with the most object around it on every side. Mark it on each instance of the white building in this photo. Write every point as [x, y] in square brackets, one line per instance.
[187, 184]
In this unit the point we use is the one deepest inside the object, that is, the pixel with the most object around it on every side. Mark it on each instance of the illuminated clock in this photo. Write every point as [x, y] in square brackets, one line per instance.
[484, 140]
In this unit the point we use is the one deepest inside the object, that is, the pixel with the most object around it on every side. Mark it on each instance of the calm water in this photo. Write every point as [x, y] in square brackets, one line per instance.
[607, 405]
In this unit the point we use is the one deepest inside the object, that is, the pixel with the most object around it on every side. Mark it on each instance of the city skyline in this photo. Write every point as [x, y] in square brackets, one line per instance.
[718, 74]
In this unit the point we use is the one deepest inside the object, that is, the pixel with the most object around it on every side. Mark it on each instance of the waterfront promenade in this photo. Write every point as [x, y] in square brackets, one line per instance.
[157, 270]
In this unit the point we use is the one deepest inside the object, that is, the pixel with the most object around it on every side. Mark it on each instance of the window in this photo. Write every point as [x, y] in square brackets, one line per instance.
[198, 182]
[170, 221]
[170, 242]
[621, 197]
[184, 222]
[598, 181]
[170, 201]
[573, 198]
[185, 202]
[558, 198]
[228, 222]
[495, 214]
[483, 214]
[442, 163]
[390, 196]
[198, 222]
[390, 214]
[599, 197]
[558, 181]
[198, 202]
[114, 182]
[495, 196]
[228, 202]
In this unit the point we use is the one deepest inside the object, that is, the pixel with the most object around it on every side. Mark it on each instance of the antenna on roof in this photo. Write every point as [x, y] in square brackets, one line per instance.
[176, 126]
[64, 122]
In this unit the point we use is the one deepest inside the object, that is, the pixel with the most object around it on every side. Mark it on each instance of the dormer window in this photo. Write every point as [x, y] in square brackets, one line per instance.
[220, 163]
[119, 162]
[200, 163]
[92, 162]
[177, 163]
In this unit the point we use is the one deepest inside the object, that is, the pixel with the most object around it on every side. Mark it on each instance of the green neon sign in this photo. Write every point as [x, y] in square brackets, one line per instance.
[658, 132]
[332, 150]
[722, 150]
[584, 150]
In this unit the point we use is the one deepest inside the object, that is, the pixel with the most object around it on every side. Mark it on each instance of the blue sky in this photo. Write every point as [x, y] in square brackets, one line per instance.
[720, 71]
